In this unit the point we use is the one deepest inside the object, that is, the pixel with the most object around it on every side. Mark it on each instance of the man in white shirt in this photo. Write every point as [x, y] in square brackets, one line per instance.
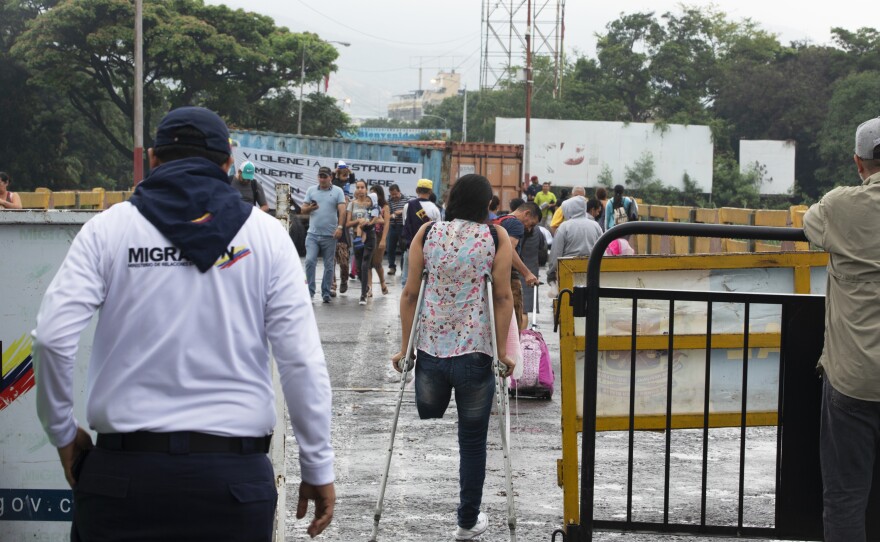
[193, 285]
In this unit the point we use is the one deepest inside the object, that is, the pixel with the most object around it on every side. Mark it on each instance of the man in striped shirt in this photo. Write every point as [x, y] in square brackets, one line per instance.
[397, 203]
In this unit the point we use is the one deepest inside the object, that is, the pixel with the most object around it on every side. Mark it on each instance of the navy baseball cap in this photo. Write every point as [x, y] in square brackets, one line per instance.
[216, 134]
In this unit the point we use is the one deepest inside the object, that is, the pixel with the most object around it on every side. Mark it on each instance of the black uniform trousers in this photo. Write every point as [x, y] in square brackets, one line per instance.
[162, 496]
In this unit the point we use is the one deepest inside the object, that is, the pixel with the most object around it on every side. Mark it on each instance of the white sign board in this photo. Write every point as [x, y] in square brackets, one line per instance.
[574, 152]
[776, 161]
[300, 171]
[36, 502]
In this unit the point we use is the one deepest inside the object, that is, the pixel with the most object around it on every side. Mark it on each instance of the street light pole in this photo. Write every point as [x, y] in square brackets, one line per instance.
[527, 151]
[464, 118]
[436, 117]
[302, 82]
[138, 93]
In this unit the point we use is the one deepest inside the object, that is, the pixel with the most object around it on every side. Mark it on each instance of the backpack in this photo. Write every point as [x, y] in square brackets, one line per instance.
[622, 215]
[542, 246]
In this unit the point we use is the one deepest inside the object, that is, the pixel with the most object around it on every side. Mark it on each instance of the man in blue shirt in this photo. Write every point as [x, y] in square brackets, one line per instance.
[325, 205]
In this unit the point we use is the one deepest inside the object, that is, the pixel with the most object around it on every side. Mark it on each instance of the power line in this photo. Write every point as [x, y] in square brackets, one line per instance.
[336, 22]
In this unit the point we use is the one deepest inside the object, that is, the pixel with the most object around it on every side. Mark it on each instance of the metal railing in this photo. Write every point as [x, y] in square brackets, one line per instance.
[798, 504]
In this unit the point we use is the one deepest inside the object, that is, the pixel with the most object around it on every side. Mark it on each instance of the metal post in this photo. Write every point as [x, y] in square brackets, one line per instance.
[302, 80]
[138, 121]
[464, 118]
[527, 145]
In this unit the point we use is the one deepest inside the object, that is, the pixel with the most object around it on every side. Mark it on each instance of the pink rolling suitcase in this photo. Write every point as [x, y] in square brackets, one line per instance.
[537, 378]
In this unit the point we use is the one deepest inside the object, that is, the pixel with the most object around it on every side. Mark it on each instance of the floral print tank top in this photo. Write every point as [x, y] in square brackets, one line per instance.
[454, 320]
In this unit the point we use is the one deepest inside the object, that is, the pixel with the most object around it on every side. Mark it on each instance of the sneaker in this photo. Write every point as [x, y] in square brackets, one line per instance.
[363, 301]
[392, 270]
[326, 299]
[343, 287]
[475, 531]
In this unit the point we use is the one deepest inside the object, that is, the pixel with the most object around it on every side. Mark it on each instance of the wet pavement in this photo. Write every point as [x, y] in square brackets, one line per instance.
[422, 492]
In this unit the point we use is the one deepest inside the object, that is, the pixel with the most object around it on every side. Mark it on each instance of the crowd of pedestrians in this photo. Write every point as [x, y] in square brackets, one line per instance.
[371, 231]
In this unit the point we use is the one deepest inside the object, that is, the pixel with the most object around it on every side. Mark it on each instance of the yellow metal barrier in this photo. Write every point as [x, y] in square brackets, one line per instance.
[636, 271]
[112, 198]
[63, 200]
[34, 200]
[90, 200]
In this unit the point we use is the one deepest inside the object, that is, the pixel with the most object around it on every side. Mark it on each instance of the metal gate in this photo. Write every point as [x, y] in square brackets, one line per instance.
[798, 487]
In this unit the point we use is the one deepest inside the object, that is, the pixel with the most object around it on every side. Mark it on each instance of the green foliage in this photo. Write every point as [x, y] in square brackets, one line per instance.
[730, 188]
[76, 59]
[606, 176]
[691, 195]
[853, 100]
[642, 181]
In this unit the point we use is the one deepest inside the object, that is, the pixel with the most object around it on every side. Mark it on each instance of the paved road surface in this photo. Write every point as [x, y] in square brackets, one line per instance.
[422, 491]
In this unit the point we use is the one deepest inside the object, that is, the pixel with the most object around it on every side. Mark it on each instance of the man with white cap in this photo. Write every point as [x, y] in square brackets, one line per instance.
[845, 223]
[416, 212]
[250, 189]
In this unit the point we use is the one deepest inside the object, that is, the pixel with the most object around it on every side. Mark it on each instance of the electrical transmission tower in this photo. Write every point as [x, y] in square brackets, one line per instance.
[504, 41]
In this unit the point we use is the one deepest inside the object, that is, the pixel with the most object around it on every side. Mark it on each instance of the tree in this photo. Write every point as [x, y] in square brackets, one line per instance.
[624, 58]
[589, 89]
[193, 55]
[279, 112]
[42, 140]
[605, 177]
[861, 46]
[730, 188]
[684, 66]
[785, 98]
[853, 101]
[642, 179]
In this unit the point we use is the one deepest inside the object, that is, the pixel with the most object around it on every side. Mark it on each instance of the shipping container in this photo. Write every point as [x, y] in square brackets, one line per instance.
[500, 163]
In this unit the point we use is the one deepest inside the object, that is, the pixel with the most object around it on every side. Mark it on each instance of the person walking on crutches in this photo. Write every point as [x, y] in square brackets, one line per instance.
[454, 342]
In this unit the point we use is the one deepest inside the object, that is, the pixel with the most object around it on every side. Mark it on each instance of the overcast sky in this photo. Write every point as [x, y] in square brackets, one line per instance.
[391, 38]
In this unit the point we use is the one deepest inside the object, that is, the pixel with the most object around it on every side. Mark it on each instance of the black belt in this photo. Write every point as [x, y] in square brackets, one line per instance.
[183, 442]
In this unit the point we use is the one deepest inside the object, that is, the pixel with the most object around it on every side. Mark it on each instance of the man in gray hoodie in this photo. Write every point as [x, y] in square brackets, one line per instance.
[577, 235]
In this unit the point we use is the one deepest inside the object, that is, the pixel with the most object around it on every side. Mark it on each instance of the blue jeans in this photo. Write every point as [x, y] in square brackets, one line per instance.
[363, 260]
[471, 377]
[325, 246]
[394, 231]
[849, 436]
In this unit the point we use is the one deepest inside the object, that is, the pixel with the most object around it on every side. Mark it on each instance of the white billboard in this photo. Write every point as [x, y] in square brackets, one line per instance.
[574, 152]
[775, 160]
